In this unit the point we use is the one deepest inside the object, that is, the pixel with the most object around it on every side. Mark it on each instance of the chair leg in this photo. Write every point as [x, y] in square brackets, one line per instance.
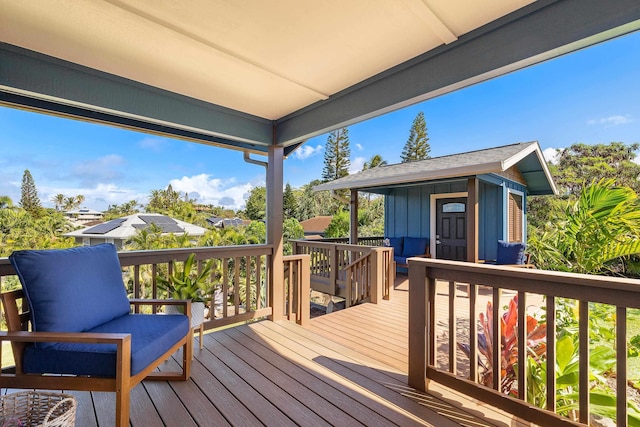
[122, 407]
[187, 355]
[201, 331]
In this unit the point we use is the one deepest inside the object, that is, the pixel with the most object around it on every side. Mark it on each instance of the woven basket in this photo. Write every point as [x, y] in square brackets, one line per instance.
[38, 409]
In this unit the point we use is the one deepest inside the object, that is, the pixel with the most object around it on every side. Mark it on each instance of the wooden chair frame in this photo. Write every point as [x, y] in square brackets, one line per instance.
[18, 320]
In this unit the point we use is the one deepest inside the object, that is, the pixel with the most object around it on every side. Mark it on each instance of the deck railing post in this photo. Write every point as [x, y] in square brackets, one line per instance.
[377, 278]
[304, 289]
[418, 325]
[333, 268]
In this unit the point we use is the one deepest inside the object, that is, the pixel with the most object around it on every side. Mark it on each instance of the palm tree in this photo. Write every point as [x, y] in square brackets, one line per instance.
[375, 161]
[58, 201]
[594, 233]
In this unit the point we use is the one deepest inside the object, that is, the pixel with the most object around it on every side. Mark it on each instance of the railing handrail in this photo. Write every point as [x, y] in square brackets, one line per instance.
[538, 281]
[128, 258]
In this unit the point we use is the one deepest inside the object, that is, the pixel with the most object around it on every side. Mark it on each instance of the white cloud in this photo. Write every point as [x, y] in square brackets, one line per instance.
[612, 120]
[153, 143]
[359, 147]
[551, 154]
[215, 191]
[357, 164]
[307, 151]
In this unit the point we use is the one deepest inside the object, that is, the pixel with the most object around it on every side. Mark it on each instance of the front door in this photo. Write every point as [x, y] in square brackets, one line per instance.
[451, 229]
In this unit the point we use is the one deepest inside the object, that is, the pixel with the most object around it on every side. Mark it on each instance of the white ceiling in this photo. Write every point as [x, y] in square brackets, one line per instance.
[265, 58]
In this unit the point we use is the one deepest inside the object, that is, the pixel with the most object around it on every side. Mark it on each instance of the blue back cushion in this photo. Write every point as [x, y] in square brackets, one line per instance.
[414, 246]
[71, 290]
[510, 253]
[396, 244]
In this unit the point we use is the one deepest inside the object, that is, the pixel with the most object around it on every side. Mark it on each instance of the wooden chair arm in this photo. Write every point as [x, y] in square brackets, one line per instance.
[157, 302]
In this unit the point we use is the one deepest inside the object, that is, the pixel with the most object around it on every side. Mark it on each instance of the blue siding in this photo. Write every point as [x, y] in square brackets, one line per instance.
[491, 218]
[407, 210]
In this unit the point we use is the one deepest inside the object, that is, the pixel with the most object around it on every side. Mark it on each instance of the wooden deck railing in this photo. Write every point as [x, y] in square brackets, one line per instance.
[241, 289]
[426, 349]
[355, 272]
[296, 288]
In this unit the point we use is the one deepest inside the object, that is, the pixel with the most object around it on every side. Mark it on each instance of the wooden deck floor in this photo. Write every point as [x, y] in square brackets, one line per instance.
[346, 368]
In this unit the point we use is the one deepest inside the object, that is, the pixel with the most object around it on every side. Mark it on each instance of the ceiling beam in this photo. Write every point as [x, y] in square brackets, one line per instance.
[543, 30]
[32, 80]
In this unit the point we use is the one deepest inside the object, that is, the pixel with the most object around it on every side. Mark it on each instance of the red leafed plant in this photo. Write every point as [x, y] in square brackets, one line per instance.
[535, 348]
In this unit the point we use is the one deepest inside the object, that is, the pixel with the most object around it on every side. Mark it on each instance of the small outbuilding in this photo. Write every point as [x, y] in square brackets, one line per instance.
[462, 203]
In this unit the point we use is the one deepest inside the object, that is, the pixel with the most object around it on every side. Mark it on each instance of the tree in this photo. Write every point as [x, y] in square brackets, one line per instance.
[581, 164]
[336, 155]
[375, 161]
[290, 204]
[417, 146]
[5, 202]
[256, 206]
[339, 225]
[58, 201]
[593, 234]
[29, 200]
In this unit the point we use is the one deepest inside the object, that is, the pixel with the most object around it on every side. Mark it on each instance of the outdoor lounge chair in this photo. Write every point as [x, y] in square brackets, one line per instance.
[83, 335]
[511, 254]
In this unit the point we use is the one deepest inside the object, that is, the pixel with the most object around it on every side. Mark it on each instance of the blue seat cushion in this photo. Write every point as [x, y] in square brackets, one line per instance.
[414, 246]
[151, 336]
[400, 259]
[71, 290]
[510, 253]
[396, 244]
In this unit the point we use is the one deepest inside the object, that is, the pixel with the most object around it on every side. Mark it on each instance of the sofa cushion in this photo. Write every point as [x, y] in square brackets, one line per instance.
[71, 290]
[396, 244]
[400, 260]
[151, 336]
[414, 246]
[510, 253]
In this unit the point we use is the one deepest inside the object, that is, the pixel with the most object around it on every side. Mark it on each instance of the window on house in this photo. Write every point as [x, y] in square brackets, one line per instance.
[453, 207]
[515, 218]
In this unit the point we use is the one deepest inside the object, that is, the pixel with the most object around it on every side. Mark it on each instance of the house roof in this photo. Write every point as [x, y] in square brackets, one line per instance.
[127, 226]
[249, 75]
[83, 211]
[526, 156]
[316, 225]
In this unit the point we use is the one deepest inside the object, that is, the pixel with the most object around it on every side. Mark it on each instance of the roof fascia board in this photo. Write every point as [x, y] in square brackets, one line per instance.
[414, 177]
[540, 31]
[533, 148]
[66, 88]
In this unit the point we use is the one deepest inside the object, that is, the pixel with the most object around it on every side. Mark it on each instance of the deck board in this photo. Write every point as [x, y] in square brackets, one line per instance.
[347, 368]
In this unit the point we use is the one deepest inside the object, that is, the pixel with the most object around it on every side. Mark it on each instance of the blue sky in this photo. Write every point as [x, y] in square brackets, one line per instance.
[591, 96]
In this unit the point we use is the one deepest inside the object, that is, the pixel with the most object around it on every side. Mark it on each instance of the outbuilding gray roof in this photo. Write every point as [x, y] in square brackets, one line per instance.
[527, 156]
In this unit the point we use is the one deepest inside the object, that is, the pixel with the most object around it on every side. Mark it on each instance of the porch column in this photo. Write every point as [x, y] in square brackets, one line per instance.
[472, 219]
[274, 229]
[353, 218]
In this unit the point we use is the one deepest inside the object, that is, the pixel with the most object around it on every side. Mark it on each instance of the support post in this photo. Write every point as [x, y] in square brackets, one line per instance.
[275, 219]
[472, 219]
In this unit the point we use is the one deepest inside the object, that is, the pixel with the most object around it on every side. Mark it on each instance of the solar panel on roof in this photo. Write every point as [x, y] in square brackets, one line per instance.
[105, 227]
[167, 224]
[157, 219]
